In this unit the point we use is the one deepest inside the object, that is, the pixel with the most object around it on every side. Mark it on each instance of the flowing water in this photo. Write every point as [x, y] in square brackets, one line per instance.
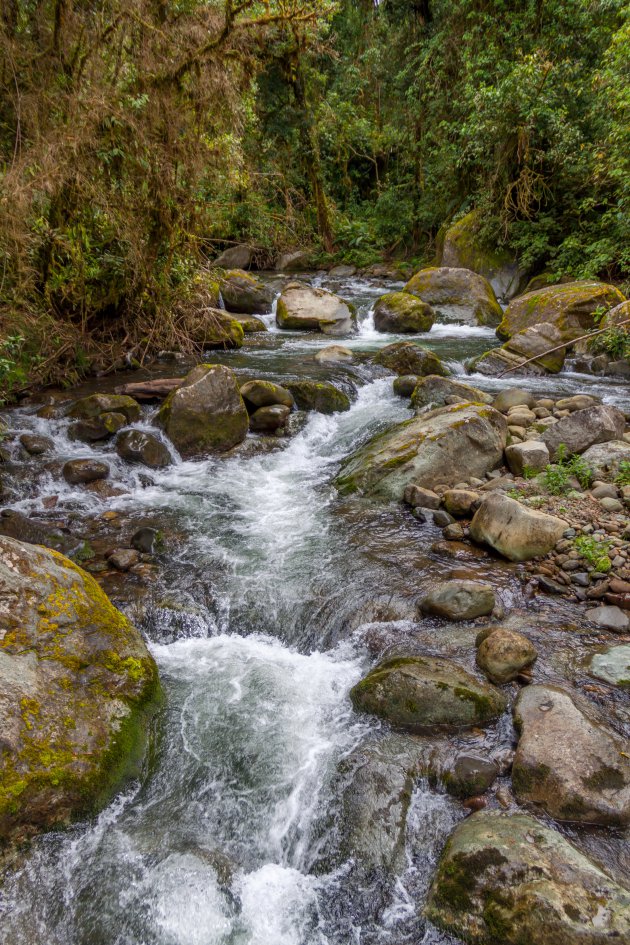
[268, 601]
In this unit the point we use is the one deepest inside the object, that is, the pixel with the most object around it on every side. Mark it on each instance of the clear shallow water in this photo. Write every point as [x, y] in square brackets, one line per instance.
[231, 839]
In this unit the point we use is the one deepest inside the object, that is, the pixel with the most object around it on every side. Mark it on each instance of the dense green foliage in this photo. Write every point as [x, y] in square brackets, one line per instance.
[138, 137]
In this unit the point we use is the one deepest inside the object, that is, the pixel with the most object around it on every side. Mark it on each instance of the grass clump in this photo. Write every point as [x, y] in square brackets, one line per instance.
[556, 476]
[594, 552]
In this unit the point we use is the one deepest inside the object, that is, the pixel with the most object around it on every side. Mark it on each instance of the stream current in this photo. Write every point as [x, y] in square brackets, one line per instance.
[272, 594]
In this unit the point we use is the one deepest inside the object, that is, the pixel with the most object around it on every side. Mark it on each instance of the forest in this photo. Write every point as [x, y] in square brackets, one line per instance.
[139, 138]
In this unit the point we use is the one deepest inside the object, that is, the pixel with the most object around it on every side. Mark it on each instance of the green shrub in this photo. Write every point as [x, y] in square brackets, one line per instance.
[623, 476]
[594, 552]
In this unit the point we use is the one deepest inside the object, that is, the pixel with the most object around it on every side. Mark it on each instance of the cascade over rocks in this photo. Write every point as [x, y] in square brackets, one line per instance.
[458, 295]
[433, 391]
[570, 308]
[402, 312]
[516, 532]
[405, 357]
[432, 448]
[66, 653]
[505, 879]
[305, 308]
[462, 248]
[568, 763]
[584, 428]
[424, 693]
[245, 294]
[205, 413]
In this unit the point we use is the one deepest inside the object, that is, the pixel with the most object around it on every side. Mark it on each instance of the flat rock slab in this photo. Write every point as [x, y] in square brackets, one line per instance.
[612, 665]
[567, 762]
[459, 600]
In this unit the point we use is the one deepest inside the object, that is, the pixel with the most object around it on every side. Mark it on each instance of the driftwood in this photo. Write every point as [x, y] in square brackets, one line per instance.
[566, 344]
[157, 389]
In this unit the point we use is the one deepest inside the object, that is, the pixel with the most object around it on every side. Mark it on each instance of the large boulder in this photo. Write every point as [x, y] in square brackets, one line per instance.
[441, 446]
[303, 307]
[516, 532]
[318, 395]
[419, 693]
[568, 761]
[236, 257]
[505, 879]
[459, 600]
[206, 412]
[540, 342]
[293, 261]
[432, 391]
[462, 248]
[584, 428]
[245, 294]
[604, 459]
[76, 688]
[405, 357]
[526, 458]
[458, 295]
[570, 308]
[402, 312]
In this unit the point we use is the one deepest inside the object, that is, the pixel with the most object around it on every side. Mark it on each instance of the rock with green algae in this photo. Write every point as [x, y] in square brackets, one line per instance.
[206, 413]
[211, 328]
[318, 395]
[439, 447]
[77, 690]
[402, 312]
[433, 391]
[406, 357]
[568, 761]
[244, 293]
[463, 247]
[542, 343]
[458, 295]
[505, 879]
[96, 405]
[571, 308]
[425, 693]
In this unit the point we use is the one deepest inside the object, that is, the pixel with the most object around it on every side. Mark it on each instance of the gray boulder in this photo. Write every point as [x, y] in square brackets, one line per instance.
[245, 294]
[437, 447]
[236, 257]
[206, 412]
[457, 295]
[432, 391]
[604, 459]
[503, 654]
[585, 428]
[459, 600]
[569, 762]
[530, 456]
[306, 308]
[423, 693]
[293, 261]
[516, 532]
[612, 665]
[505, 879]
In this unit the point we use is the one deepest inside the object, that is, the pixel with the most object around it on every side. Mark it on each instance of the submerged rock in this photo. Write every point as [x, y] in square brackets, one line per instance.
[459, 600]
[505, 879]
[457, 295]
[206, 412]
[334, 354]
[437, 447]
[76, 687]
[568, 763]
[503, 654]
[306, 308]
[405, 357]
[433, 391]
[402, 312]
[612, 665]
[245, 294]
[422, 693]
[516, 532]
[318, 395]
[584, 428]
[570, 308]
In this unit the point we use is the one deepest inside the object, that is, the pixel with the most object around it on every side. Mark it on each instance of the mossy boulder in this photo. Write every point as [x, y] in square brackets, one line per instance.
[457, 295]
[433, 391]
[318, 395]
[462, 247]
[138, 446]
[251, 324]
[402, 312]
[77, 688]
[505, 879]
[95, 405]
[262, 393]
[571, 308]
[406, 357]
[206, 413]
[303, 307]
[441, 446]
[244, 293]
[543, 343]
[419, 694]
[568, 761]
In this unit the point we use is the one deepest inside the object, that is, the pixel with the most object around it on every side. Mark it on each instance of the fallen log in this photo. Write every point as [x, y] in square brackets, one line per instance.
[157, 389]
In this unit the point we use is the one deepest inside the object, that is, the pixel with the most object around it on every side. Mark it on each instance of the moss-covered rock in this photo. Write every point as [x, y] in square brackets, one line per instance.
[462, 247]
[97, 404]
[318, 395]
[244, 293]
[441, 446]
[424, 693]
[251, 324]
[206, 412]
[138, 446]
[77, 686]
[458, 295]
[406, 357]
[433, 391]
[262, 393]
[402, 312]
[569, 762]
[505, 879]
[303, 307]
[540, 342]
[212, 328]
[570, 308]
